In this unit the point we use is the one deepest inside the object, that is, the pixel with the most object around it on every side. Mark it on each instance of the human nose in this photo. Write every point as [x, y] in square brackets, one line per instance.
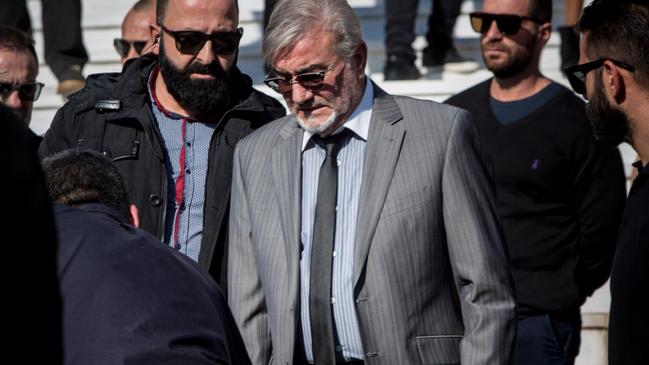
[131, 54]
[207, 55]
[299, 93]
[13, 100]
[492, 30]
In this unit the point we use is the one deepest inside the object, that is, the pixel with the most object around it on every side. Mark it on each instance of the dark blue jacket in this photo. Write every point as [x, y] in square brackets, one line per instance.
[129, 299]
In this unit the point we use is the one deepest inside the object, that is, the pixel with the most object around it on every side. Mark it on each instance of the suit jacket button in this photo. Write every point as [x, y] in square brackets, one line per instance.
[155, 200]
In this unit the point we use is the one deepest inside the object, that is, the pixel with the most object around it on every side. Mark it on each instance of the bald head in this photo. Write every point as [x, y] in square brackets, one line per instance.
[136, 28]
[144, 5]
[162, 7]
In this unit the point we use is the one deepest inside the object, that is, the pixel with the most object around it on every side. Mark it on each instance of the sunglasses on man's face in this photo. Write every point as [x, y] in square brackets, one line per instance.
[190, 42]
[577, 73]
[122, 46]
[29, 91]
[312, 81]
[508, 24]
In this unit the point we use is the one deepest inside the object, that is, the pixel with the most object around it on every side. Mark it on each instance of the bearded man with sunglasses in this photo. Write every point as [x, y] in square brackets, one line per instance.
[363, 226]
[560, 195]
[613, 74]
[170, 122]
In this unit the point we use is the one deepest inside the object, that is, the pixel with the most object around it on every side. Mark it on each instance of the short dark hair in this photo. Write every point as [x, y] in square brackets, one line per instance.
[76, 177]
[143, 5]
[15, 40]
[541, 10]
[161, 8]
[618, 29]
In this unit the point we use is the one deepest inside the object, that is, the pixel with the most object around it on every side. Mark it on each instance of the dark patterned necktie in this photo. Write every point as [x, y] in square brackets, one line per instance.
[320, 310]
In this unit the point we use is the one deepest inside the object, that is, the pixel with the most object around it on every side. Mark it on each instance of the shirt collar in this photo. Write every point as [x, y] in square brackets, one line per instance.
[359, 120]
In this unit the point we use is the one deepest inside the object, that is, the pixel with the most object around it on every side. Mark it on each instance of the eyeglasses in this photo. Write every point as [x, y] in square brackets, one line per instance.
[29, 91]
[312, 81]
[577, 73]
[190, 42]
[508, 24]
[122, 46]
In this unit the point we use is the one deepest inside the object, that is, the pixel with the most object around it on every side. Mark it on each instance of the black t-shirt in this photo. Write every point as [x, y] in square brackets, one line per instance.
[629, 317]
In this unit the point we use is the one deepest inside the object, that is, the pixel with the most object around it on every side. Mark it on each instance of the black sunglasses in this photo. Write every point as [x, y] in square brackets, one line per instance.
[508, 24]
[577, 73]
[122, 46]
[312, 81]
[29, 91]
[190, 42]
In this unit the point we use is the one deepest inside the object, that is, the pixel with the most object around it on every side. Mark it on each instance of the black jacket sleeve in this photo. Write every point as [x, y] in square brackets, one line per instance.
[58, 136]
[599, 186]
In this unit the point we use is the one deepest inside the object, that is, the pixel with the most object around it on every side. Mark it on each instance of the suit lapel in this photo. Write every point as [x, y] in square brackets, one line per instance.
[286, 168]
[383, 147]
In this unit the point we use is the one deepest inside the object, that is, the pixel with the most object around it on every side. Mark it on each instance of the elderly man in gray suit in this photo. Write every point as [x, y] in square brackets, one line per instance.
[363, 226]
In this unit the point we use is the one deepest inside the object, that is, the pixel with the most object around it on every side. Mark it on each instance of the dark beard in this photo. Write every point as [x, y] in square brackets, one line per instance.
[200, 98]
[610, 125]
[516, 64]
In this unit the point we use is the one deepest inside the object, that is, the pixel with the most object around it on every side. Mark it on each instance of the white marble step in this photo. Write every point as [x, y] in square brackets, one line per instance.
[102, 19]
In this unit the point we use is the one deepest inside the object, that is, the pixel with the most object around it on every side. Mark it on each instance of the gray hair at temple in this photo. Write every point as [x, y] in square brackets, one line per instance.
[292, 20]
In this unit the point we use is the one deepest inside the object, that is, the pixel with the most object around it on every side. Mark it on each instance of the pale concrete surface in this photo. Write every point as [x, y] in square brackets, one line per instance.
[594, 339]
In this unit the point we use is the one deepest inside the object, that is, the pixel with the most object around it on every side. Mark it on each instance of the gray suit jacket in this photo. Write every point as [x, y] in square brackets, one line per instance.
[431, 277]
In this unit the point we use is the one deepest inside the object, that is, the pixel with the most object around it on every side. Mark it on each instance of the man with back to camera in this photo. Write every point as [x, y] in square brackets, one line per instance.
[18, 70]
[363, 226]
[127, 299]
[613, 74]
[170, 121]
[560, 195]
[33, 312]
[136, 36]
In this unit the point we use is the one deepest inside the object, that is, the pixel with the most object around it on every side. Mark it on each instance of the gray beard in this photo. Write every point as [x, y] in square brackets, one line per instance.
[322, 127]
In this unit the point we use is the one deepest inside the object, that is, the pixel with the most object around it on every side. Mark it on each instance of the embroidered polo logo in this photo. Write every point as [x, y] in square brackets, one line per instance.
[535, 164]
